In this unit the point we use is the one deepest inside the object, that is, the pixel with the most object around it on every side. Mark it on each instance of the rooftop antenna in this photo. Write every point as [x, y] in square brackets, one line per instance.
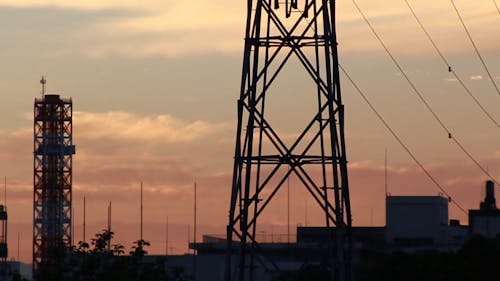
[43, 82]
[385, 173]
[194, 214]
[141, 211]
[194, 232]
[5, 192]
[288, 208]
[189, 235]
[371, 216]
[385, 183]
[166, 237]
[305, 212]
[84, 219]
[109, 216]
[72, 242]
[109, 225]
[18, 244]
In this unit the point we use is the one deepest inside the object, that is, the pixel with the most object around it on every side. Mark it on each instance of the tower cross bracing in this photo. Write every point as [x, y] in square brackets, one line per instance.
[277, 33]
[52, 181]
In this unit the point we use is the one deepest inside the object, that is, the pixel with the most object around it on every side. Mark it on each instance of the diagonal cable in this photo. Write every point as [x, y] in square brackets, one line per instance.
[475, 47]
[398, 139]
[445, 61]
[417, 92]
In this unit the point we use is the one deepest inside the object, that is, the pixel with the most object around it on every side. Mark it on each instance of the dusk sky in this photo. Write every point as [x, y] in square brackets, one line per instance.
[154, 87]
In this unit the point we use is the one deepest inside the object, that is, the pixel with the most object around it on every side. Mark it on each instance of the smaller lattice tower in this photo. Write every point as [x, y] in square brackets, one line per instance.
[52, 181]
[3, 242]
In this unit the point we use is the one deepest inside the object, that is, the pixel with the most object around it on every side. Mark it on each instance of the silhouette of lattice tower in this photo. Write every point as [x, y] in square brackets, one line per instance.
[52, 180]
[276, 32]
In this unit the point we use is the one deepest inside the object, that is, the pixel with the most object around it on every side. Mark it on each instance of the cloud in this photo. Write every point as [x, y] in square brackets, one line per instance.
[476, 77]
[120, 125]
[118, 149]
[176, 43]
[178, 28]
[451, 79]
[87, 5]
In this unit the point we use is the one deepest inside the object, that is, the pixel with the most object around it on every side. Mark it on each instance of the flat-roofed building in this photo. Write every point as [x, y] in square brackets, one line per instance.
[416, 220]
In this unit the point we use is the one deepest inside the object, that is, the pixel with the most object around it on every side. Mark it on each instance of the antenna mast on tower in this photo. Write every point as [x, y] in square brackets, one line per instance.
[43, 82]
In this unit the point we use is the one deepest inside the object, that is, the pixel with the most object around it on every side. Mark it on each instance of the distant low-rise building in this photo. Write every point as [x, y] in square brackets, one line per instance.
[413, 220]
[9, 269]
[413, 224]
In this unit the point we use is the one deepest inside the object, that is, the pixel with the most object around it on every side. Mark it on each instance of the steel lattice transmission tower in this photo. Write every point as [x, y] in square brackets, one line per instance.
[276, 32]
[52, 181]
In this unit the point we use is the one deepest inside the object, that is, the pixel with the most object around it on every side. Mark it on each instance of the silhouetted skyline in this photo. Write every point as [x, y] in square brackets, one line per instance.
[154, 86]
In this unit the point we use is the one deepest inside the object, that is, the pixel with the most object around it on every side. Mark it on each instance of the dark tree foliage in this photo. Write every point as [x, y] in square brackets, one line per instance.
[478, 260]
[18, 277]
[103, 261]
[138, 248]
[307, 272]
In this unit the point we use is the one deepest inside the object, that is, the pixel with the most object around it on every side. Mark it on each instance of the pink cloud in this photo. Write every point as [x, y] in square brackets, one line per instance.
[119, 125]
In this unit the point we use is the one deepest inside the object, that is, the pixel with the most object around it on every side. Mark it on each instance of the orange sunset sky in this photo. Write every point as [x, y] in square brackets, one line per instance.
[155, 83]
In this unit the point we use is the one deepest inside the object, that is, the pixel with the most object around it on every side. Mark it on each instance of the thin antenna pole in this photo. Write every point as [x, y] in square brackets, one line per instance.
[385, 185]
[5, 192]
[194, 230]
[109, 216]
[385, 173]
[18, 244]
[166, 237]
[109, 225]
[305, 213]
[194, 241]
[84, 219]
[72, 240]
[189, 235]
[43, 82]
[141, 210]
[288, 208]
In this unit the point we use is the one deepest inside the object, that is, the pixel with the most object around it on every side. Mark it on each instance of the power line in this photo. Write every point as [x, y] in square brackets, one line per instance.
[401, 69]
[496, 6]
[445, 61]
[445, 128]
[398, 139]
[475, 47]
